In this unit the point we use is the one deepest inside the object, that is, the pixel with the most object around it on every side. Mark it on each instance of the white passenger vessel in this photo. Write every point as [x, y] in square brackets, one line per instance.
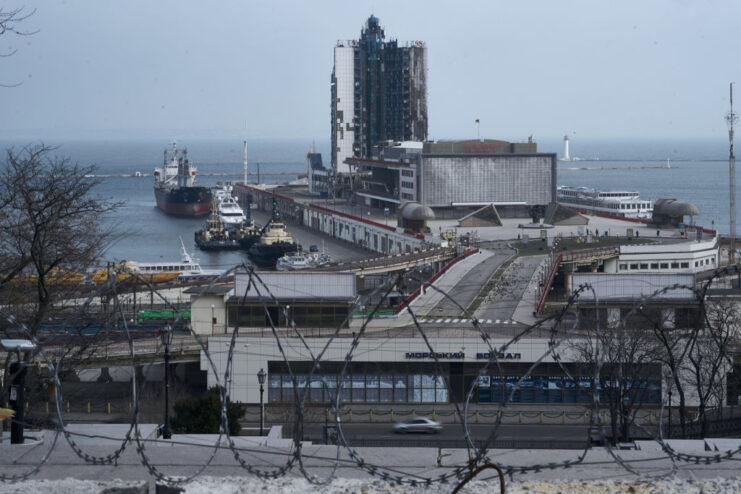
[615, 202]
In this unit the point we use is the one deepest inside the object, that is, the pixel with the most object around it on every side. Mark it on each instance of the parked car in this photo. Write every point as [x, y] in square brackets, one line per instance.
[418, 424]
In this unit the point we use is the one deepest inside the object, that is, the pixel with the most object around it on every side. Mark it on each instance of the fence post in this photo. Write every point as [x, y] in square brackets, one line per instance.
[108, 407]
[349, 416]
[129, 408]
[46, 406]
[477, 416]
[651, 417]
[433, 415]
[88, 407]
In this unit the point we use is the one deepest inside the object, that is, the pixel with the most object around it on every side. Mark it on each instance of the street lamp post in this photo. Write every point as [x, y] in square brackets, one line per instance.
[17, 397]
[166, 335]
[261, 379]
[213, 319]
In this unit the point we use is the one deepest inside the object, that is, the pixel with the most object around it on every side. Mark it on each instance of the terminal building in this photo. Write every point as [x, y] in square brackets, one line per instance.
[383, 367]
[457, 177]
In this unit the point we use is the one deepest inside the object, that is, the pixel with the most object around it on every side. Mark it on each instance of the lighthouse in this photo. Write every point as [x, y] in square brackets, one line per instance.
[566, 156]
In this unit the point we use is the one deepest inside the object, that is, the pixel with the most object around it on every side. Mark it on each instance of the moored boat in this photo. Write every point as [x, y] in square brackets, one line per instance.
[274, 242]
[175, 188]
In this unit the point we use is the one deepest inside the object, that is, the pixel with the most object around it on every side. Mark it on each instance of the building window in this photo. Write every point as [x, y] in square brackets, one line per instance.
[644, 266]
[675, 265]
[664, 265]
[623, 267]
[404, 195]
[654, 265]
[685, 265]
[634, 266]
[407, 185]
[359, 388]
[407, 173]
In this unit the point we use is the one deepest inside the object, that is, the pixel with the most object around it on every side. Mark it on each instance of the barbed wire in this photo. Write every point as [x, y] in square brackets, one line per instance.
[562, 327]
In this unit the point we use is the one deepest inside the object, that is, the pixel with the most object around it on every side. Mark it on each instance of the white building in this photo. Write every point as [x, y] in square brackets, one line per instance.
[679, 257]
[343, 106]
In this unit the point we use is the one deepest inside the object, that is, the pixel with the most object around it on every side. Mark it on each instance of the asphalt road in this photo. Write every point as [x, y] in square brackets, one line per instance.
[546, 436]
[468, 287]
[501, 302]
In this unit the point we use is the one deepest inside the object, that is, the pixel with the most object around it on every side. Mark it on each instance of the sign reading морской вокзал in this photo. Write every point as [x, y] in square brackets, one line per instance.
[460, 355]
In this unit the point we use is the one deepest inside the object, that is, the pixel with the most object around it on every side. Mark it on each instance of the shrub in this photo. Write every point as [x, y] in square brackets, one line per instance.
[202, 414]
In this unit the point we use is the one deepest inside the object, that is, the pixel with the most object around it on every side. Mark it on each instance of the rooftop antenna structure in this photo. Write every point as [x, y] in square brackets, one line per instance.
[732, 118]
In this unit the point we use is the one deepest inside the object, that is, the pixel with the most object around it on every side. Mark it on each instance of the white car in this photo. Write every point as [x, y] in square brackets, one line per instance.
[419, 424]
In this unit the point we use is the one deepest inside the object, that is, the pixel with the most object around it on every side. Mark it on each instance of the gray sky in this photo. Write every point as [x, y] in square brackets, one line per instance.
[203, 69]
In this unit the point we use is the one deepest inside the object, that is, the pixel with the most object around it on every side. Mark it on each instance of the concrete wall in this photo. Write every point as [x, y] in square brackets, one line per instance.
[201, 314]
[498, 178]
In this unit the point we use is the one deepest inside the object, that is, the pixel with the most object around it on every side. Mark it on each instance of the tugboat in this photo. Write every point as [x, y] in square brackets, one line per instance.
[214, 236]
[274, 242]
[175, 188]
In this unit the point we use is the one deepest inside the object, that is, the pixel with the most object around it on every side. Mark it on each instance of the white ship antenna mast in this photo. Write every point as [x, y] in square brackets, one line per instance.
[732, 118]
[244, 161]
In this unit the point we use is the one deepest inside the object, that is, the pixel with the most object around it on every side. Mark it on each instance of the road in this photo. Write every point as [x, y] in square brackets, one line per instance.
[526, 435]
[501, 302]
[469, 286]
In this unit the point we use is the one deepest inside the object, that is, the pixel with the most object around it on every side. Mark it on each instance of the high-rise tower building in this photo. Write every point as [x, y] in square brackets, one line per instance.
[379, 93]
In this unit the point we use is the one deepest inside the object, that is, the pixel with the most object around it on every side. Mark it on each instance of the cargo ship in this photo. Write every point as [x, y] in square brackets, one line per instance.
[175, 188]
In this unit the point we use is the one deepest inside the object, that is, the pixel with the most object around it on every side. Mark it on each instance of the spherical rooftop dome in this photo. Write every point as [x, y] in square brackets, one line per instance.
[672, 207]
[416, 211]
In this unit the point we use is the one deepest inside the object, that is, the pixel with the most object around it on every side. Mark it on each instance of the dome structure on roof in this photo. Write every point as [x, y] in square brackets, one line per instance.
[670, 212]
[416, 211]
[414, 216]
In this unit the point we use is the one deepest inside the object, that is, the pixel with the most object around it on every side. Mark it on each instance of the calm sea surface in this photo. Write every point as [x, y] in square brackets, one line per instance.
[698, 174]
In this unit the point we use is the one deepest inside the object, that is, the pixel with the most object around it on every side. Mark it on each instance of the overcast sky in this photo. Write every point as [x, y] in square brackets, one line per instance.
[206, 69]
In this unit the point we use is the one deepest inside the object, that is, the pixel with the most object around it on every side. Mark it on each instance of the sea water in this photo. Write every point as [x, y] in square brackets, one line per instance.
[697, 173]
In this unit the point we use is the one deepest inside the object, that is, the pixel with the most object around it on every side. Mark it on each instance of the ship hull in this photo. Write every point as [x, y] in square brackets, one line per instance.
[267, 255]
[183, 201]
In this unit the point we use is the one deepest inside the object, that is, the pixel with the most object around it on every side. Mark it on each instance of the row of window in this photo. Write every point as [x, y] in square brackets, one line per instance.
[407, 185]
[428, 388]
[407, 173]
[549, 389]
[416, 388]
[634, 266]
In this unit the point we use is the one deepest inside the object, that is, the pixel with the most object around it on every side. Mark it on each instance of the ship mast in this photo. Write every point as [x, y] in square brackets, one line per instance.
[245, 161]
[732, 118]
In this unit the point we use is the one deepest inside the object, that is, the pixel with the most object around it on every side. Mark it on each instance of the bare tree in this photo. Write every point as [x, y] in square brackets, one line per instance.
[11, 21]
[623, 361]
[50, 225]
[709, 360]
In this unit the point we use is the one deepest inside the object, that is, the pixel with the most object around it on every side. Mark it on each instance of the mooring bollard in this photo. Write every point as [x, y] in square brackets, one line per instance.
[88, 407]
[68, 407]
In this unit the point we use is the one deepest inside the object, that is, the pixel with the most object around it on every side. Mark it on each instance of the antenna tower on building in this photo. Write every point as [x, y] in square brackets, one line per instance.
[731, 119]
